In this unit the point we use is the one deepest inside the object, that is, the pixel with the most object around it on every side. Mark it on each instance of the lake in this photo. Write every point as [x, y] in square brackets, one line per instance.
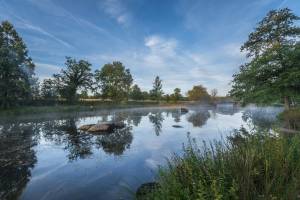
[46, 156]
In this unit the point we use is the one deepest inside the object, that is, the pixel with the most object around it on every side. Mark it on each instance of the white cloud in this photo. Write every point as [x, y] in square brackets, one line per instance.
[116, 10]
[177, 66]
[45, 70]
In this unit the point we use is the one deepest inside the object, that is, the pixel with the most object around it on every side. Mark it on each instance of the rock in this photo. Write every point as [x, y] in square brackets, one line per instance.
[184, 110]
[177, 126]
[145, 189]
[85, 127]
[100, 128]
[105, 127]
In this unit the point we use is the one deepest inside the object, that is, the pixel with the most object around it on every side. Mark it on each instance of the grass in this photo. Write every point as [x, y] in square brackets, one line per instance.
[244, 166]
[80, 106]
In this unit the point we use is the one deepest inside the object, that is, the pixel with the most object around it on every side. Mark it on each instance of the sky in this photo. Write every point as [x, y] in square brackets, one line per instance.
[185, 42]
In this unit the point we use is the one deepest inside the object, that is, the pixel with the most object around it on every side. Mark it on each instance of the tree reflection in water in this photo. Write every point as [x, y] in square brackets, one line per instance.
[198, 118]
[176, 115]
[17, 158]
[64, 132]
[157, 119]
[116, 142]
[260, 118]
[79, 144]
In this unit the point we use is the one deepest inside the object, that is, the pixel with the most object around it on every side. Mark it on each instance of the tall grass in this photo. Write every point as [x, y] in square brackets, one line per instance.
[245, 166]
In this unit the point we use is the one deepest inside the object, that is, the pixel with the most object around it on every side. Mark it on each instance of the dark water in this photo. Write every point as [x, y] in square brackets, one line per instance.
[46, 157]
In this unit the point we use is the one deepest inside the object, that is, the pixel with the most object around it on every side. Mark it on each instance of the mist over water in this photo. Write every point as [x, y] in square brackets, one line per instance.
[47, 157]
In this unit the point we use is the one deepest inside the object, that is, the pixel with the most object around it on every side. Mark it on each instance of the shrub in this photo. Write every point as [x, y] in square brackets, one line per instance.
[244, 166]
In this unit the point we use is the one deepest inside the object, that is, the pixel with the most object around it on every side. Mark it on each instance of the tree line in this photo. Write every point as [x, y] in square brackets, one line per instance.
[272, 74]
[75, 81]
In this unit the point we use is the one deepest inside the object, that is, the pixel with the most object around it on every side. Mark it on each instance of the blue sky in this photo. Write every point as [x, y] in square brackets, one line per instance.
[185, 42]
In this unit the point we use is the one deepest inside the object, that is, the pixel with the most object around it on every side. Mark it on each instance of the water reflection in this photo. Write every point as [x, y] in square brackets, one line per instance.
[262, 118]
[157, 119]
[117, 142]
[198, 118]
[17, 158]
[20, 147]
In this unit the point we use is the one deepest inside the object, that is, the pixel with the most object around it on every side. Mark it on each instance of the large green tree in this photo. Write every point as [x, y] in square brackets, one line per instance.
[16, 67]
[136, 93]
[49, 89]
[273, 72]
[157, 92]
[77, 75]
[114, 80]
[198, 93]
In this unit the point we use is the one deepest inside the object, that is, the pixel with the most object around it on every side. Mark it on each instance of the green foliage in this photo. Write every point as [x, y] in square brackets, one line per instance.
[16, 67]
[77, 75]
[176, 96]
[157, 92]
[49, 89]
[273, 71]
[136, 93]
[198, 93]
[114, 81]
[247, 166]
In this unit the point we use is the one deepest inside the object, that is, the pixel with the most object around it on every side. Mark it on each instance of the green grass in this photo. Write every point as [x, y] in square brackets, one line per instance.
[80, 106]
[245, 166]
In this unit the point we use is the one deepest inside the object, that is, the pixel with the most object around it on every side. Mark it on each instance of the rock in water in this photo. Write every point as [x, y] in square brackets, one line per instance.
[86, 127]
[184, 110]
[145, 189]
[100, 128]
[177, 126]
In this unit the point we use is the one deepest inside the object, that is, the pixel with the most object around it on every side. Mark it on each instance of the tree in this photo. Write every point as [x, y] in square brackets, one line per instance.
[176, 96]
[114, 80]
[156, 93]
[49, 89]
[16, 67]
[213, 93]
[145, 95]
[84, 94]
[77, 75]
[198, 93]
[136, 93]
[273, 71]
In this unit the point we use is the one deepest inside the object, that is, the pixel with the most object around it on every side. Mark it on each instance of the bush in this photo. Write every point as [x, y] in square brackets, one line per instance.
[245, 166]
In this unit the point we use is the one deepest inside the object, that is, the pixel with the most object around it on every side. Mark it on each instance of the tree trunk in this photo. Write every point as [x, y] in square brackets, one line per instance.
[286, 103]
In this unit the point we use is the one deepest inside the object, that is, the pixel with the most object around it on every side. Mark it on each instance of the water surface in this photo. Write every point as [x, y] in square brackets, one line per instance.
[46, 157]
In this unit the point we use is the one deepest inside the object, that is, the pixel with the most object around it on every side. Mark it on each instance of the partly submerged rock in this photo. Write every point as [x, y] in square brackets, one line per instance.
[184, 110]
[177, 126]
[145, 189]
[102, 127]
[86, 127]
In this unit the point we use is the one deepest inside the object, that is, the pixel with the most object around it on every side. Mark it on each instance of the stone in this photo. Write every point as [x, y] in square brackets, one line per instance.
[85, 127]
[102, 127]
[145, 189]
[177, 126]
[184, 110]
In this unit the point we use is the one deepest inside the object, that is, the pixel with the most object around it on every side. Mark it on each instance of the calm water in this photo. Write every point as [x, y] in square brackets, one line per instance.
[46, 157]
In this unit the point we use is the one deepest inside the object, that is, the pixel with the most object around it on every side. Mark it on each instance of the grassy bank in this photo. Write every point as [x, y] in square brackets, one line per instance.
[245, 166]
[81, 106]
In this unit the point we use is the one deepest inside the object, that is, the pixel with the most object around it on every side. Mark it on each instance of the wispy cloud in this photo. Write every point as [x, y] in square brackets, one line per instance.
[46, 70]
[28, 25]
[117, 10]
[177, 66]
